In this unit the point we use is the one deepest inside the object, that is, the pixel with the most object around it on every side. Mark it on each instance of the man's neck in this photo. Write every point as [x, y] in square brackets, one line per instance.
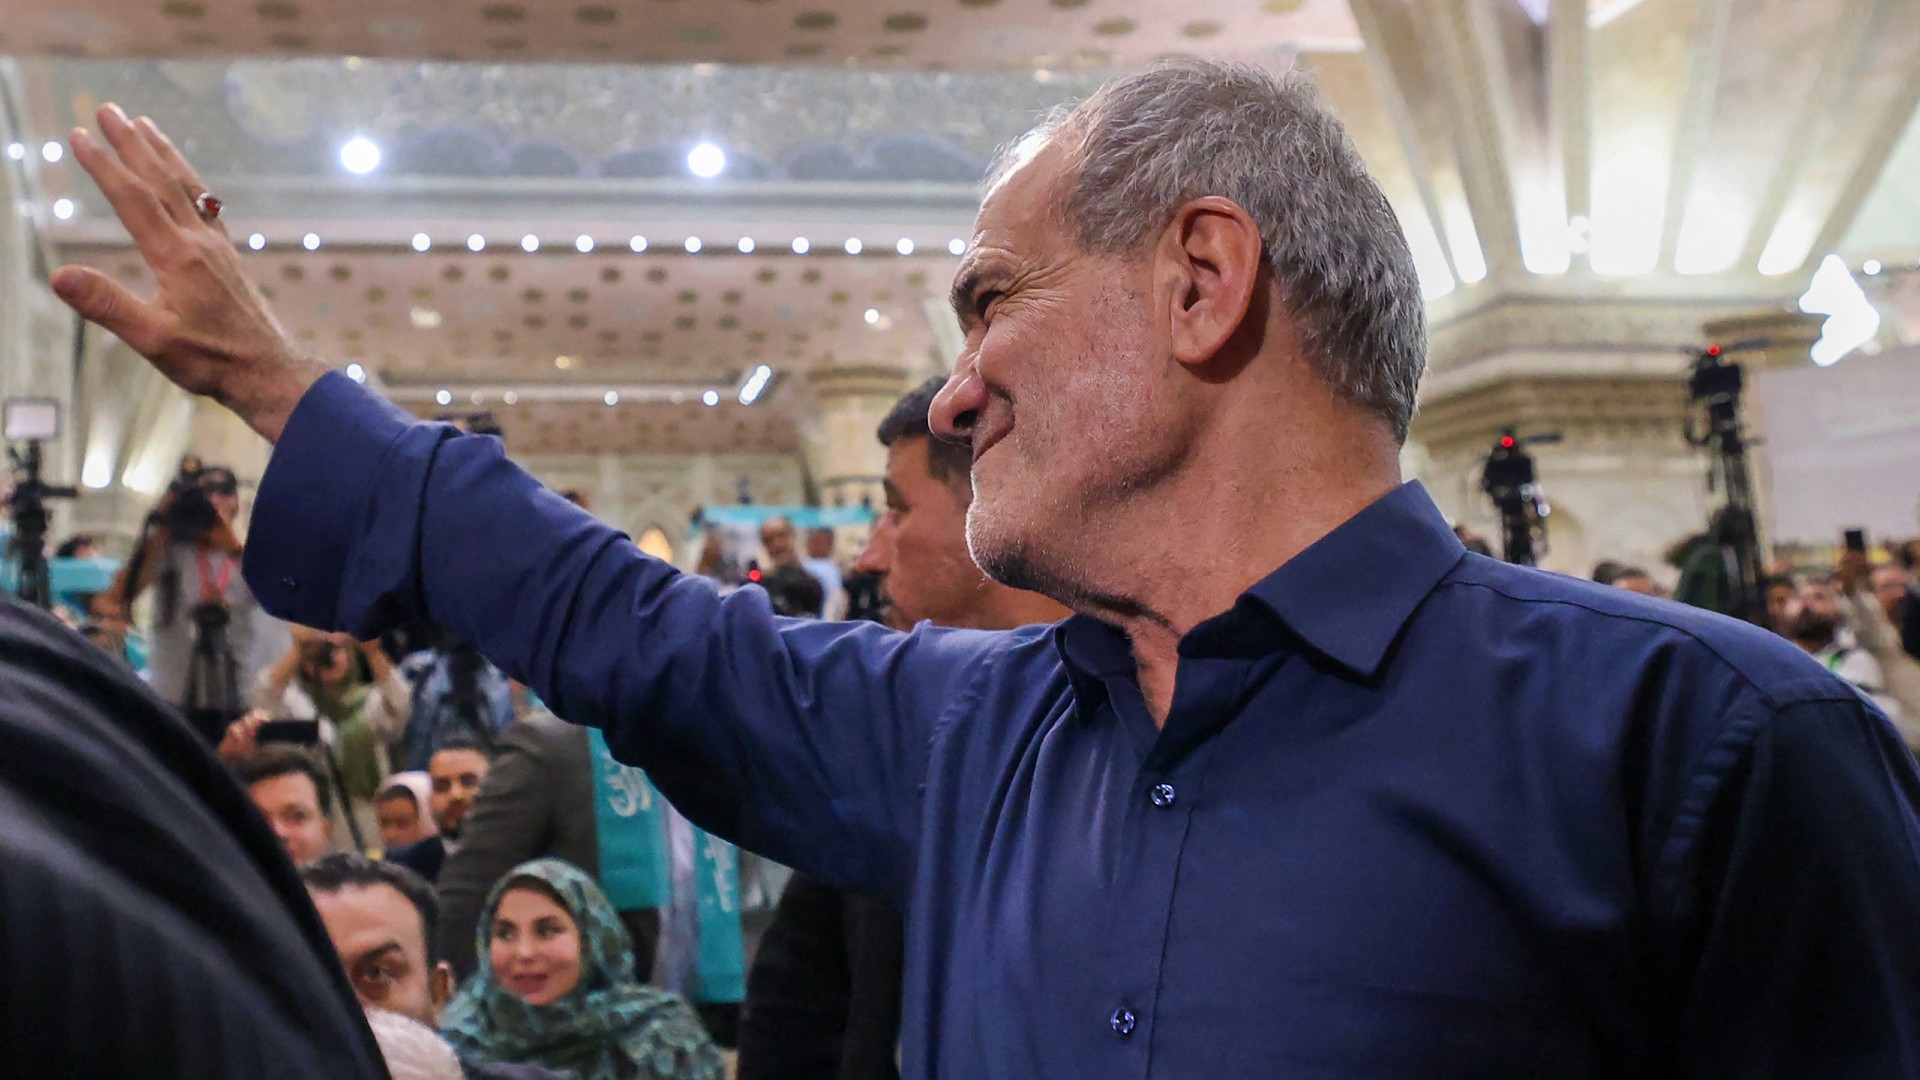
[1191, 547]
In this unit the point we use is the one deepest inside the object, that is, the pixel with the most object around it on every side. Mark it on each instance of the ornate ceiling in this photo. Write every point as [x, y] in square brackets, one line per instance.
[959, 34]
[1548, 149]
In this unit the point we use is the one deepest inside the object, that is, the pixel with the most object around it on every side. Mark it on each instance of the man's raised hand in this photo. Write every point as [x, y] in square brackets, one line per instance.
[207, 328]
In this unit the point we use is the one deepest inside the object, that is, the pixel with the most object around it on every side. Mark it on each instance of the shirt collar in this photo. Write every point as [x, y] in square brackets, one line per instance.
[1346, 597]
[1349, 595]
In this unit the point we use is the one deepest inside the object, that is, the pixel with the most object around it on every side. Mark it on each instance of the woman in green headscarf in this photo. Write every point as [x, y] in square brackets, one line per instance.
[555, 987]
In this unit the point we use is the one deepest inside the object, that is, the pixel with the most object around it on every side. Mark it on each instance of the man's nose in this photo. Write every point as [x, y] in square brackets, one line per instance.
[877, 556]
[957, 406]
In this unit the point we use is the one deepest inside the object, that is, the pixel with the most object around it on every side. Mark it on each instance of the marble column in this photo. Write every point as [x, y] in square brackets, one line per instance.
[844, 457]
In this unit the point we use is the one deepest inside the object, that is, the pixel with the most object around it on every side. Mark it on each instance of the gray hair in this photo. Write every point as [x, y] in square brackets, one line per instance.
[1147, 144]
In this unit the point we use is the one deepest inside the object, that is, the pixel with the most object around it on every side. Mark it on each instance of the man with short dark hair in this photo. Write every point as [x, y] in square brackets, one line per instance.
[456, 769]
[1626, 576]
[383, 920]
[286, 783]
[823, 997]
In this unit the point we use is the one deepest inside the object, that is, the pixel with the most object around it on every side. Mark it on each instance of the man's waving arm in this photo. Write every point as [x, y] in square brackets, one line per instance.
[806, 742]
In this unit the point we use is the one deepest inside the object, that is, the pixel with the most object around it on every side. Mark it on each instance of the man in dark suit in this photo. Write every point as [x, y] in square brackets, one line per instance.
[150, 925]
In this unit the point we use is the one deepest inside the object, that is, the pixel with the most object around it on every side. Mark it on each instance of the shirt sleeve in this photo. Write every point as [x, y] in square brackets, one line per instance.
[1801, 913]
[804, 741]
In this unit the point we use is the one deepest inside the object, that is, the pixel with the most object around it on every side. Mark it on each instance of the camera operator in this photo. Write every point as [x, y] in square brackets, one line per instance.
[204, 622]
[357, 696]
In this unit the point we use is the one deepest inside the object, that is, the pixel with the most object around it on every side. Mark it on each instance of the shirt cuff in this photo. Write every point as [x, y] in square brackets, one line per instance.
[313, 502]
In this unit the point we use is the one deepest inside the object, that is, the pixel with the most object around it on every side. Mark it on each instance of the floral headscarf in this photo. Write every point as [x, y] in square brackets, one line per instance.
[609, 1027]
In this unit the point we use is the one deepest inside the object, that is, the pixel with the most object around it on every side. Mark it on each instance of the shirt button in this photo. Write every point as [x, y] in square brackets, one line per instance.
[1162, 795]
[1121, 1022]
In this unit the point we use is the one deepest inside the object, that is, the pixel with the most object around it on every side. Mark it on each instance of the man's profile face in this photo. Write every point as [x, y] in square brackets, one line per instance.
[292, 806]
[1062, 385]
[383, 946]
[919, 546]
[456, 777]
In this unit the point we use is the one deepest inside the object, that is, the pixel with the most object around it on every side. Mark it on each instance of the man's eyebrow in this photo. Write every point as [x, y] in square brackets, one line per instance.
[375, 953]
[960, 296]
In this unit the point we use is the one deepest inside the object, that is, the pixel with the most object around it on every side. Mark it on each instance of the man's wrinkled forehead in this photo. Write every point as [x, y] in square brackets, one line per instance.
[1017, 216]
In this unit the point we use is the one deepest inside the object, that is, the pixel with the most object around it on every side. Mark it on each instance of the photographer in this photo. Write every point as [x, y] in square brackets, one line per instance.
[204, 621]
[357, 696]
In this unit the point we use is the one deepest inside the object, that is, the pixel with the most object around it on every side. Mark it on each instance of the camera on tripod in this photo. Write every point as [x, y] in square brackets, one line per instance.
[32, 421]
[1509, 480]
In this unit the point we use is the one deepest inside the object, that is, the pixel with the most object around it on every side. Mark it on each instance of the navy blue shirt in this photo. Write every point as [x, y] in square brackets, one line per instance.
[1413, 813]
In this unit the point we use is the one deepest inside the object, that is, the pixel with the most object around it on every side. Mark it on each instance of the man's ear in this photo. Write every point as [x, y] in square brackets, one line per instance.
[1211, 256]
[440, 986]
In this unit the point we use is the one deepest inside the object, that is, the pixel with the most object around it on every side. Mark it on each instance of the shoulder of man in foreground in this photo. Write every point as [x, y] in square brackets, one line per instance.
[1706, 733]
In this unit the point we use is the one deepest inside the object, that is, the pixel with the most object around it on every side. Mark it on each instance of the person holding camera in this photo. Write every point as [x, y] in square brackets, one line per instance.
[356, 697]
[205, 623]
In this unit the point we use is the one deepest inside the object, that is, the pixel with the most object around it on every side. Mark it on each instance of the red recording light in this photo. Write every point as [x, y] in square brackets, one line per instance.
[1506, 441]
[1713, 350]
[753, 576]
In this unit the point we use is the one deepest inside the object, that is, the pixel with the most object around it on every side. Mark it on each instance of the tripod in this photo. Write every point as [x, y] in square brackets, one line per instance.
[28, 508]
[212, 697]
[1714, 387]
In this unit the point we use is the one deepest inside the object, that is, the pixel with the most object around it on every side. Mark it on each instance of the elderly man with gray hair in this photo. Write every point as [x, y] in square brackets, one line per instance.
[1302, 789]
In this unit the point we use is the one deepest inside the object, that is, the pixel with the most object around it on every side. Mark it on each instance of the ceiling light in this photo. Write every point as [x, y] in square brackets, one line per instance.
[710, 398]
[956, 246]
[756, 384]
[1851, 318]
[356, 373]
[637, 245]
[421, 241]
[583, 243]
[444, 397]
[873, 316]
[424, 318]
[63, 208]
[52, 152]
[611, 397]
[311, 241]
[1871, 266]
[510, 398]
[359, 155]
[563, 362]
[17, 151]
[706, 161]
[904, 246]
[529, 243]
[693, 244]
[256, 241]
[476, 242]
[746, 245]
[800, 245]
[853, 245]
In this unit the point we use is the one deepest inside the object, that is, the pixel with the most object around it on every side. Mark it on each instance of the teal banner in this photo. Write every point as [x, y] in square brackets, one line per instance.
[631, 833]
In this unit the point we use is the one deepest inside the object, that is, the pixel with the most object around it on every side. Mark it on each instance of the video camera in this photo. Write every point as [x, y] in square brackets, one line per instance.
[187, 511]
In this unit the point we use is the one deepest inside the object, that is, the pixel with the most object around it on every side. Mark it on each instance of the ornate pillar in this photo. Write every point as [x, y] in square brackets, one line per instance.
[1607, 377]
[845, 459]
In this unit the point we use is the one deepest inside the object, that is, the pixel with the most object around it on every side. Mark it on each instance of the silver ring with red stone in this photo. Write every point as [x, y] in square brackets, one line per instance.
[208, 205]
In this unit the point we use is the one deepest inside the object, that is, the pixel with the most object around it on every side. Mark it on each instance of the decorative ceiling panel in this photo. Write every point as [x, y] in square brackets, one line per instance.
[942, 34]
